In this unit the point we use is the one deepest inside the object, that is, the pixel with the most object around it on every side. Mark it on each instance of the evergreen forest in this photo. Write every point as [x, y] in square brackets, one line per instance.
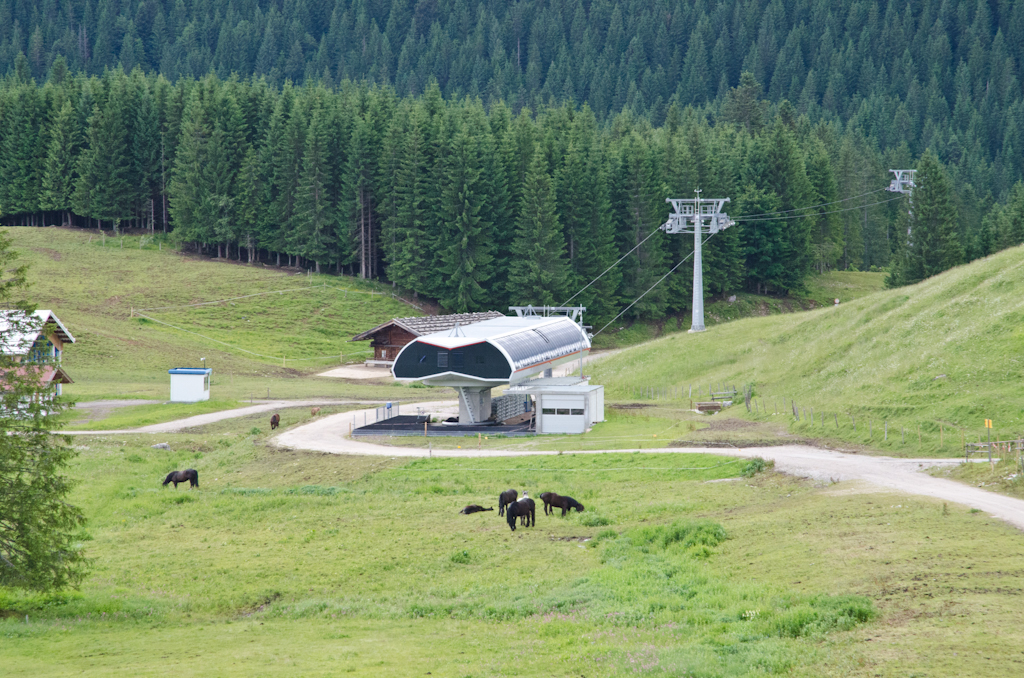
[497, 152]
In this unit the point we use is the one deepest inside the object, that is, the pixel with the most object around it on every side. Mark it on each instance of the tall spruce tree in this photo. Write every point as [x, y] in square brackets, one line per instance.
[538, 269]
[61, 159]
[248, 203]
[639, 205]
[20, 143]
[194, 203]
[104, 189]
[466, 250]
[316, 212]
[407, 226]
[931, 243]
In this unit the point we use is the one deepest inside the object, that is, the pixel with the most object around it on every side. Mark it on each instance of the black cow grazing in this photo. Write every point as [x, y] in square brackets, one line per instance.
[474, 508]
[553, 501]
[504, 499]
[524, 509]
[275, 421]
[189, 474]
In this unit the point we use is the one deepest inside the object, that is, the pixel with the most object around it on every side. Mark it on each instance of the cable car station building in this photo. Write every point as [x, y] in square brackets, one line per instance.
[507, 351]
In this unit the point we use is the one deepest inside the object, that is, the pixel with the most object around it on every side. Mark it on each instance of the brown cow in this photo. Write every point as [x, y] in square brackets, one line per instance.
[275, 421]
[315, 411]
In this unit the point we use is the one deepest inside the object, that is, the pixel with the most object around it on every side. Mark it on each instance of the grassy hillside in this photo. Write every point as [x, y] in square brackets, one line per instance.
[276, 566]
[93, 283]
[821, 290]
[944, 354]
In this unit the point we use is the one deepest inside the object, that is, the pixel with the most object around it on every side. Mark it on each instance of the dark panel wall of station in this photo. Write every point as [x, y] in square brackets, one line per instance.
[477, 360]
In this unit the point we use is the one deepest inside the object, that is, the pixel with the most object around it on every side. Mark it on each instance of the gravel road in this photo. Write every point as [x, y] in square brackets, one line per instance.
[331, 434]
[202, 419]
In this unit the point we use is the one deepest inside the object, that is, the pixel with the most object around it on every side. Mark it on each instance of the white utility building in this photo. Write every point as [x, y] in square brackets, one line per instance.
[190, 384]
[565, 405]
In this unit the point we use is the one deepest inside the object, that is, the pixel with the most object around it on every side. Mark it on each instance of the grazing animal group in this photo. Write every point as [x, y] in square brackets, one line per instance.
[275, 421]
[512, 506]
[190, 474]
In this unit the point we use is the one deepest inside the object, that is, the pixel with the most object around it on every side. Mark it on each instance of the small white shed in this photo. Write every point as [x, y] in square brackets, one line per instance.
[567, 409]
[190, 384]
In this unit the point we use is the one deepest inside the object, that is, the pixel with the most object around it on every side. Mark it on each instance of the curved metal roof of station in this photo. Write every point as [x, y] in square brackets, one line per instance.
[530, 344]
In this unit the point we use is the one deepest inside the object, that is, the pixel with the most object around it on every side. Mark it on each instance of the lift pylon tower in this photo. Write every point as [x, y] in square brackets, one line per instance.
[903, 183]
[691, 216]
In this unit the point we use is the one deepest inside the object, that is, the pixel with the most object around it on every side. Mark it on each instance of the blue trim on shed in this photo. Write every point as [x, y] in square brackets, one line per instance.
[190, 370]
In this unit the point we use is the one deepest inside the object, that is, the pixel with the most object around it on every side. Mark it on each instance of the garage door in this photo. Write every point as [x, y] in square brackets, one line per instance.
[561, 414]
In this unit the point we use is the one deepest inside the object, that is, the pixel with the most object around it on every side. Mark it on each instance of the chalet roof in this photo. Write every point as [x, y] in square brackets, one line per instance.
[47, 374]
[430, 323]
[19, 331]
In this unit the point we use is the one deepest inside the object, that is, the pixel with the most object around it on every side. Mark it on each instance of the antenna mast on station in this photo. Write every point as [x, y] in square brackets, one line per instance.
[690, 216]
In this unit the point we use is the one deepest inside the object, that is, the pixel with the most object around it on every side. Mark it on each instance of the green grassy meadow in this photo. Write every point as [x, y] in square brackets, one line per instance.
[938, 357]
[93, 284]
[287, 563]
[292, 563]
[821, 290]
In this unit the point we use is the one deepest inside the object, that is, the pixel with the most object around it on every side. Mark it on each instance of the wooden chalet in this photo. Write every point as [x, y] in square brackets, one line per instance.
[35, 342]
[388, 339]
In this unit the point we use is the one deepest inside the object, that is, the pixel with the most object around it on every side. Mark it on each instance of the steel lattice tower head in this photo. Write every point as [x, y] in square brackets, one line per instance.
[903, 183]
[697, 215]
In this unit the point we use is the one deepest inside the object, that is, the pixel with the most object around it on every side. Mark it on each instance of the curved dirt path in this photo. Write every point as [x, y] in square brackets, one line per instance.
[213, 417]
[331, 434]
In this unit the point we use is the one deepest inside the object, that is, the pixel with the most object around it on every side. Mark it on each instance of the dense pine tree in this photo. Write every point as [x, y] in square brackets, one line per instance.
[931, 243]
[466, 250]
[61, 158]
[538, 272]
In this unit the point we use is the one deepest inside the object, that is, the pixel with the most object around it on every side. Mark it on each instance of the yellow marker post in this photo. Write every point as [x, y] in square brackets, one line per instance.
[988, 426]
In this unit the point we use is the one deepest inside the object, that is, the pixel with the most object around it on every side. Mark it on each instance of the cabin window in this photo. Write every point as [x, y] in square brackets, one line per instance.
[457, 359]
[442, 359]
[577, 412]
[548, 410]
[562, 411]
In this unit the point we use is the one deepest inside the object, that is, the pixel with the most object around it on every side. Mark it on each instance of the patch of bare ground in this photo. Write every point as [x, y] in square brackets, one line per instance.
[53, 254]
[730, 424]
[630, 406]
